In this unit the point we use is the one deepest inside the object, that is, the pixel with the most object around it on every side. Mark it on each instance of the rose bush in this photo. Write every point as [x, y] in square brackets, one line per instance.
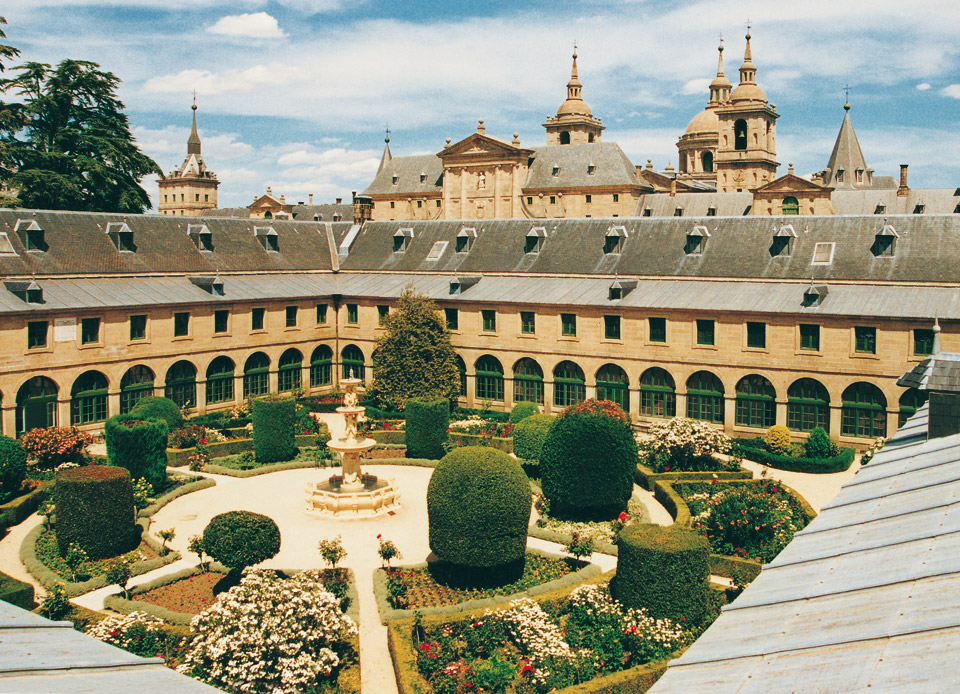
[682, 444]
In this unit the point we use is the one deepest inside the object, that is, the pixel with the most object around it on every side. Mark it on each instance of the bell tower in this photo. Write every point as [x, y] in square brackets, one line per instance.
[192, 188]
[574, 124]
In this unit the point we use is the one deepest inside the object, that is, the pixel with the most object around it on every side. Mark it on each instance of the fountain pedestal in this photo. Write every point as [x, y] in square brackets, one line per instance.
[352, 494]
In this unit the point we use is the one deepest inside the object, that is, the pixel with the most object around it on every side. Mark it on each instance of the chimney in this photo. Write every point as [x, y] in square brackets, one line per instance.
[310, 199]
[339, 200]
[939, 376]
[903, 189]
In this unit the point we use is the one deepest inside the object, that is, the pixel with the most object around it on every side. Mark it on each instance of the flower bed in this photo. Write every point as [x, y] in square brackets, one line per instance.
[646, 477]
[47, 552]
[385, 450]
[753, 449]
[177, 457]
[579, 637]
[602, 534]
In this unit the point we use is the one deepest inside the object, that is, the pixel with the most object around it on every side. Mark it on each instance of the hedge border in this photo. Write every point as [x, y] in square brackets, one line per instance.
[646, 477]
[396, 436]
[262, 470]
[16, 592]
[18, 509]
[562, 539]
[388, 614]
[812, 466]
[177, 457]
[196, 485]
[501, 443]
[636, 680]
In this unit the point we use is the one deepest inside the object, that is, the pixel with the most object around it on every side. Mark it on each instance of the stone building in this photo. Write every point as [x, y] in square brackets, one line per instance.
[191, 188]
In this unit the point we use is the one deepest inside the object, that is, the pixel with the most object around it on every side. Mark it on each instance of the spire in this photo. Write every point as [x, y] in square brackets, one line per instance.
[193, 142]
[720, 86]
[748, 71]
[847, 159]
[385, 159]
[574, 86]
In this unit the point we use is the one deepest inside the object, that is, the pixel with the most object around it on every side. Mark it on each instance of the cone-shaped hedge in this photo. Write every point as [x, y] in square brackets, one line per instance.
[238, 539]
[139, 446]
[426, 427]
[273, 428]
[664, 570]
[95, 510]
[156, 407]
[478, 508]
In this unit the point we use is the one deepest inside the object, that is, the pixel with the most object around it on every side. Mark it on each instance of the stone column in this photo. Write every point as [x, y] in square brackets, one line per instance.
[113, 402]
[201, 386]
[681, 403]
[273, 380]
[836, 420]
[63, 411]
[781, 412]
[463, 193]
[471, 390]
[634, 402]
[237, 388]
[8, 419]
[548, 397]
[729, 412]
[893, 420]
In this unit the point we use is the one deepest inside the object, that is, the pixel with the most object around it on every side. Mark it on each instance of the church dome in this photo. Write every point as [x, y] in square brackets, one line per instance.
[574, 107]
[748, 92]
[704, 122]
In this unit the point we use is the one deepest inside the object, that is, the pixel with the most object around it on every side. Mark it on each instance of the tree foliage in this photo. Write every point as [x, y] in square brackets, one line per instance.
[414, 356]
[67, 145]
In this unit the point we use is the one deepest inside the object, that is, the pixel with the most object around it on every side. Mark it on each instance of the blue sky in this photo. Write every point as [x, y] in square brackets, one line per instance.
[295, 94]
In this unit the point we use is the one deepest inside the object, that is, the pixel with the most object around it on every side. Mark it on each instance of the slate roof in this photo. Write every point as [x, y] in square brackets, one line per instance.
[865, 599]
[612, 167]
[37, 655]
[694, 204]
[865, 202]
[326, 212]
[408, 171]
[940, 372]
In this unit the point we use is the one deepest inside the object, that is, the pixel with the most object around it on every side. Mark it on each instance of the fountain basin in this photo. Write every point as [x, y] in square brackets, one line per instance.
[353, 499]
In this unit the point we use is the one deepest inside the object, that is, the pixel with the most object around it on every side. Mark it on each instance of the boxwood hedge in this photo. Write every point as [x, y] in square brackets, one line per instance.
[273, 430]
[238, 539]
[13, 467]
[139, 446]
[95, 510]
[529, 435]
[752, 449]
[426, 427]
[156, 407]
[522, 410]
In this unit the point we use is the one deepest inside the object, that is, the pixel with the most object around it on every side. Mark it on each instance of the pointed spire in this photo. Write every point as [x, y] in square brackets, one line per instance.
[748, 71]
[385, 159]
[847, 157]
[720, 86]
[936, 335]
[193, 142]
[574, 86]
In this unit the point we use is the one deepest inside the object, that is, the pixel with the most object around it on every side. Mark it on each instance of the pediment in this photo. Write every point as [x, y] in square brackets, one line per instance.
[482, 146]
[791, 183]
[266, 201]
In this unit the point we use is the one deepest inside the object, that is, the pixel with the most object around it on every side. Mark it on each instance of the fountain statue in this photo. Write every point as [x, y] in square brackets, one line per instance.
[352, 494]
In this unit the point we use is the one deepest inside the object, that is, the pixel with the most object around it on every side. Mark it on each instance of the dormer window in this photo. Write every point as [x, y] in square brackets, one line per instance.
[920, 207]
[711, 211]
[613, 242]
[268, 238]
[401, 239]
[839, 175]
[460, 284]
[437, 251]
[201, 236]
[25, 290]
[814, 296]
[122, 236]
[211, 285]
[696, 241]
[465, 239]
[31, 234]
[678, 212]
[885, 242]
[591, 169]
[880, 208]
[647, 212]
[859, 175]
[556, 170]
[423, 177]
[337, 216]
[620, 288]
[395, 179]
[783, 241]
[534, 242]
[823, 253]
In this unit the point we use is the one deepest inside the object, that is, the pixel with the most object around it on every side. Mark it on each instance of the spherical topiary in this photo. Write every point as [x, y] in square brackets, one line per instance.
[665, 570]
[529, 435]
[820, 445]
[522, 410]
[777, 439]
[13, 467]
[238, 539]
[273, 428]
[155, 407]
[138, 445]
[478, 508]
[426, 423]
[588, 462]
[95, 510]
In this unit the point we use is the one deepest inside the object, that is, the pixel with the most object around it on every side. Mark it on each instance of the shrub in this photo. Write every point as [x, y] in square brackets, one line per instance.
[238, 539]
[55, 446]
[529, 435]
[522, 410]
[139, 446]
[95, 510]
[13, 467]
[332, 551]
[820, 445]
[156, 407]
[777, 439]
[304, 422]
[478, 508]
[187, 436]
[664, 570]
[588, 461]
[137, 632]
[683, 444]
[270, 635]
[753, 449]
[273, 422]
[426, 423]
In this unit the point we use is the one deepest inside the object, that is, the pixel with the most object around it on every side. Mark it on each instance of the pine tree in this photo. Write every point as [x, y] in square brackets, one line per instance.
[414, 356]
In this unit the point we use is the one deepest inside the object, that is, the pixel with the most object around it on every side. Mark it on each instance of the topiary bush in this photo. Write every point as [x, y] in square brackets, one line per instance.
[95, 510]
[478, 510]
[156, 407]
[522, 410]
[238, 539]
[820, 445]
[273, 428]
[777, 439]
[426, 427]
[139, 446]
[13, 467]
[588, 461]
[665, 570]
[529, 435]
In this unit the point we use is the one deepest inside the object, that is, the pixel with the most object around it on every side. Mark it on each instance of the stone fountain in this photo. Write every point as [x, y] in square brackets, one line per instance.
[352, 494]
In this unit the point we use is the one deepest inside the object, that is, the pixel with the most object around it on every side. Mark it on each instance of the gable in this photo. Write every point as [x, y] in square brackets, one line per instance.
[790, 183]
[482, 146]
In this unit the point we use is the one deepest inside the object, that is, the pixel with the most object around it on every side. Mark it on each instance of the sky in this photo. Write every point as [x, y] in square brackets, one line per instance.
[296, 94]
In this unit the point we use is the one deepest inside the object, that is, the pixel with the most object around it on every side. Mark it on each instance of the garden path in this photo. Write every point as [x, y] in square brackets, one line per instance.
[10, 553]
[818, 490]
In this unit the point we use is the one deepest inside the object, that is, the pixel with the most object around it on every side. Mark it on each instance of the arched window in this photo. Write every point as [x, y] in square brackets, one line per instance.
[136, 383]
[220, 380]
[706, 160]
[321, 367]
[911, 400]
[289, 371]
[756, 402]
[790, 205]
[658, 396]
[705, 397]
[37, 404]
[864, 411]
[569, 385]
[564, 138]
[88, 398]
[489, 378]
[613, 385]
[181, 384]
[740, 134]
[808, 406]
[351, 360]
[527, 381]
[462, 371]
[256, 375]
[268, 215]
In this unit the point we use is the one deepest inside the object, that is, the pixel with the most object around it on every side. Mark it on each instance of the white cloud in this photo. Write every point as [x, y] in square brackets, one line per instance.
[231, 80]
[923, 86]
[256, 25]
[700, 85]
[952, 91]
